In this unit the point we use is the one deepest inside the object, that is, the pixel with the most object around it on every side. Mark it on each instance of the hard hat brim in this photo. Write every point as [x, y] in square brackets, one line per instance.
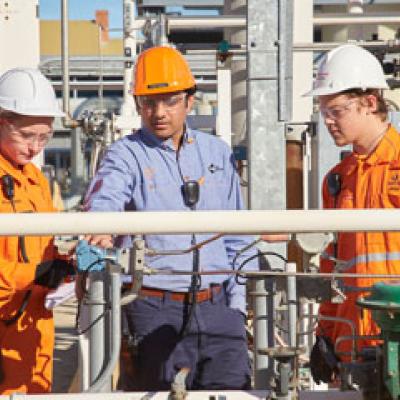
[324, 91]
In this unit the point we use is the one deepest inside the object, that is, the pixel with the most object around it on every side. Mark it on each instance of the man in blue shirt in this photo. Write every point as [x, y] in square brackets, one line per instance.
[178, 322]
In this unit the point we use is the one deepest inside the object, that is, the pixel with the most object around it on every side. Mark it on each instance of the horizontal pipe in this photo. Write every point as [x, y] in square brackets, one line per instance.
[345, 19]
[193, 395]
[246, 222]
[322, 46]
[229, 21]
[226, 21]
[265, 274]
[117, 85]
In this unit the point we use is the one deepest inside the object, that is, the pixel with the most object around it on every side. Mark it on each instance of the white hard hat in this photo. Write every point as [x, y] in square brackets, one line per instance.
[26, 91]
[348, 67]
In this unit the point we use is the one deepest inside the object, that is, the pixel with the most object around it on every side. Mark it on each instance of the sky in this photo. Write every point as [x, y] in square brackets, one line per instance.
[84, 9]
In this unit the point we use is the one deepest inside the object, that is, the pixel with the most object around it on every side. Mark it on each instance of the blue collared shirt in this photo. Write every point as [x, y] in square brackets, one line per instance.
[141, 172]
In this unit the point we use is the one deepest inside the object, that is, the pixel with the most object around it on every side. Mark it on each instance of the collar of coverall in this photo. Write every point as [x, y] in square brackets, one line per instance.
[384, 153]
[27, 172]
[149, 137]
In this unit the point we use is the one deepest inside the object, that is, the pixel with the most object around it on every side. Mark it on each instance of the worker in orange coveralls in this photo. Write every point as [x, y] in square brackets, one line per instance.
[29, 266]
[349, 88]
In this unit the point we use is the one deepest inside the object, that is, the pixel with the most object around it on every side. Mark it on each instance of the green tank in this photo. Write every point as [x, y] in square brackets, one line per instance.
[384, 303]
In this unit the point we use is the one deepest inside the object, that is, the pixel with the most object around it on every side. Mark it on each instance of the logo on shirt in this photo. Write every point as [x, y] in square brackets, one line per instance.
[148, 173]
[214, 168]
[393, 184]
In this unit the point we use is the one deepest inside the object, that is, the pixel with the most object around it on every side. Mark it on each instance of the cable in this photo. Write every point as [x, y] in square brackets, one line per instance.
[262, 253]
[85, 292]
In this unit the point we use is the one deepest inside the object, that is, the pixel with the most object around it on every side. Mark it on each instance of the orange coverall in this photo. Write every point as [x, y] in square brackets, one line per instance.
[371, 181]
[27, 344]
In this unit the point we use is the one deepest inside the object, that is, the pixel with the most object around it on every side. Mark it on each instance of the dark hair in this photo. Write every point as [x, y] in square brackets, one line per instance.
[191, 91]
[382, 108]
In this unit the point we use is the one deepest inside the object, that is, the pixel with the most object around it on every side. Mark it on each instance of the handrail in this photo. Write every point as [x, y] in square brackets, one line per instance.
[230, 222]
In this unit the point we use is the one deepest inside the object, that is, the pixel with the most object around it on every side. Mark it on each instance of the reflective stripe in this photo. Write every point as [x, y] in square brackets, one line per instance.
[364, 259]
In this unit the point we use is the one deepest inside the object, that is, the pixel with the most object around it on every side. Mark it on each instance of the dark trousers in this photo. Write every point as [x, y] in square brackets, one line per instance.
[214, 346]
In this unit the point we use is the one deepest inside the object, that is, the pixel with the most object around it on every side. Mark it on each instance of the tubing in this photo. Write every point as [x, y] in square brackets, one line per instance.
[105, 376]
[345, 19]
[164, 222]
[65, 55]
[292, 304]
[226, 21]
[97, 303]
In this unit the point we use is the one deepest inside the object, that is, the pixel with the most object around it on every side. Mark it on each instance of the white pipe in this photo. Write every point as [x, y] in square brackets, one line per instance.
[227, 21]
[224, 96]
[249, 222]
[291, 293]
[192, 395]
[345, 19]
[331, 45]
[65, 54]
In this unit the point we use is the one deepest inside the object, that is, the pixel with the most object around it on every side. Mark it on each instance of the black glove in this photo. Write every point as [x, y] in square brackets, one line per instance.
[51, 273]
[323, 361]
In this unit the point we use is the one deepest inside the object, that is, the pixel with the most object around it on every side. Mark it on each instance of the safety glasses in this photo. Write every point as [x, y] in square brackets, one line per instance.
[25, 136]
[169, 101]
[338, 111]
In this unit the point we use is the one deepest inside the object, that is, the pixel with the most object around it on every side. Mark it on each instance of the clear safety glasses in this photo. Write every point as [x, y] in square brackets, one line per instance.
[169, 102]
[24, 136]
[338, 111]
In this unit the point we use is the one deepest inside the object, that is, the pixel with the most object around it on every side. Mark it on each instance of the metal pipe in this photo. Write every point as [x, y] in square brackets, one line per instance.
[352, 329]
[166, 222]
[353, 339]
[115, 331]
[119, 85]
[193, 395]
[65, 55]
[96, 322]
[266, 274]
[292, 304]
[227, 21]
[392, 44]
[128, 109]
[263, 331]
[285, 29]
[99, 43]
[345, 19]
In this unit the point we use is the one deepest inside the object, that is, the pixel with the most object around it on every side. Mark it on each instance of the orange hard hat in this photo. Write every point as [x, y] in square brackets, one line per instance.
[161, 70]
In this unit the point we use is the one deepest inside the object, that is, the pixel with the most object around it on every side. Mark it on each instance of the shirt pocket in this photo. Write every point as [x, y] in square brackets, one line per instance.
[392, 188]
[160, 194]
[215, 191]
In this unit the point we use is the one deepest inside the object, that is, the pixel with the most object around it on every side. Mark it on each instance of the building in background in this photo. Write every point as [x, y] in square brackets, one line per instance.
[97, 63]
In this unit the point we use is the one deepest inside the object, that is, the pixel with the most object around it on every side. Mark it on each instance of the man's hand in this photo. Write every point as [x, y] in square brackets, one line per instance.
[323, 361]
[104, 241]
